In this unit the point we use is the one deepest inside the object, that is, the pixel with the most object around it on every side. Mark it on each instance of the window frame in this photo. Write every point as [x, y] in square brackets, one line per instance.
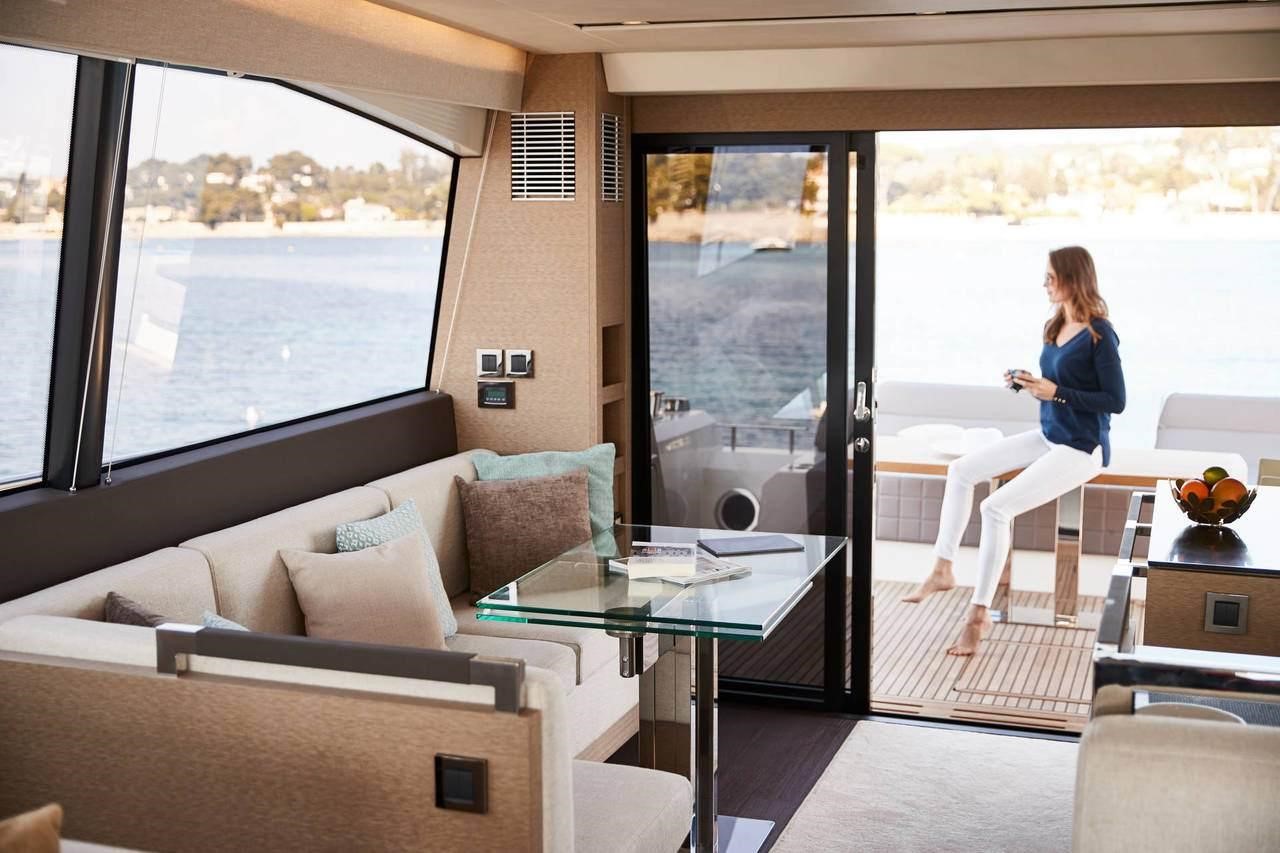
[455, 160]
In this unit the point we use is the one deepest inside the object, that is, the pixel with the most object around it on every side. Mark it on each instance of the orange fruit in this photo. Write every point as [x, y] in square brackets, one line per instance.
[1229, 489]
[1194, 487]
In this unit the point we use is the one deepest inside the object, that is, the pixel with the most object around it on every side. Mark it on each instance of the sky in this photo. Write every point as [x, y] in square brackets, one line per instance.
[200, 114]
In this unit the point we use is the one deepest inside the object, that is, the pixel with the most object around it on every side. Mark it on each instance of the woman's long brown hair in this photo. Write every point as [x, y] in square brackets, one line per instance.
[1073, 265]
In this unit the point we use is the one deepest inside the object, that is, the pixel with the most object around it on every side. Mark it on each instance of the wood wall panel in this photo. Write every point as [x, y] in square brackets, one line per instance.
[1175, 611]
[960, 109]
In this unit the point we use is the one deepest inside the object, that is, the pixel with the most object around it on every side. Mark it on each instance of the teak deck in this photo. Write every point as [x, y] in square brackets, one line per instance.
[1024, 675]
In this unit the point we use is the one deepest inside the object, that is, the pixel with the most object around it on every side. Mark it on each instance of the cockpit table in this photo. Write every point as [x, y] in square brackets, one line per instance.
[678, 685]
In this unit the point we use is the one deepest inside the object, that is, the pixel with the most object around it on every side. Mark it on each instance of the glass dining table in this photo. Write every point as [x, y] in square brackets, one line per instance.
[668, 636]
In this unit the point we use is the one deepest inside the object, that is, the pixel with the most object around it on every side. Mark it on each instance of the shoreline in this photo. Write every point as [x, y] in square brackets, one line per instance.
[245, 230]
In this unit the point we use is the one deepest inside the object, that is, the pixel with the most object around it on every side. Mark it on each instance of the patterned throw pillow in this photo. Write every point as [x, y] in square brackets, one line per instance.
[212, 620]
[123, 610]
[597, 460]
[401, 521]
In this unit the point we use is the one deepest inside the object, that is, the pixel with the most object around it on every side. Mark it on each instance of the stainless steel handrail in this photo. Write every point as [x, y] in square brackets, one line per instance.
[174, 642]
[790, 430]
[1114, 625]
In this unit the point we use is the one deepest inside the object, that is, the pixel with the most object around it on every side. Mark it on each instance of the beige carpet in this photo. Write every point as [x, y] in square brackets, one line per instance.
[910, 788]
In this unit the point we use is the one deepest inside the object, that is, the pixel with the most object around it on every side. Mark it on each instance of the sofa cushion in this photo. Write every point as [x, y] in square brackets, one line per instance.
[376, 595]
[209, 619]
[597, 460]
[432, 490]
[401, 521]
[249, 578]
[656, 818]
[549, 656]
[85, 639]
[172, 581]
[593, 648]
[32, 832]
[514, 526]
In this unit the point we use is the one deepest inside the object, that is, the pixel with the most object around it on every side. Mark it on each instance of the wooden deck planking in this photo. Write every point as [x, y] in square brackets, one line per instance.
[1027, 675]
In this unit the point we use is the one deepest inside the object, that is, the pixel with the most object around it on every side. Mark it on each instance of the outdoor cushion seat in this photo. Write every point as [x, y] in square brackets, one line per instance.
[593, 648]
[654, 813]
[549, 656]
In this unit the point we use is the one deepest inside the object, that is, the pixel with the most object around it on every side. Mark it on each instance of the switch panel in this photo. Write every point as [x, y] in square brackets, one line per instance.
[488, 362]
[462, 783]
[1225, 613]
[520, 362]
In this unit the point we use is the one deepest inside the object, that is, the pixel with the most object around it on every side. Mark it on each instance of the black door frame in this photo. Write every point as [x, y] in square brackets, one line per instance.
[837, 656]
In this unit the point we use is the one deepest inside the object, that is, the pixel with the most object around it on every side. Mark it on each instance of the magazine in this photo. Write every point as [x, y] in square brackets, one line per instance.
[706, 569]
[658, 560]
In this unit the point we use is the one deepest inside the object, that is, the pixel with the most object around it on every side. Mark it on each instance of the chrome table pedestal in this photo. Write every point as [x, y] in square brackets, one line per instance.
[678, 731]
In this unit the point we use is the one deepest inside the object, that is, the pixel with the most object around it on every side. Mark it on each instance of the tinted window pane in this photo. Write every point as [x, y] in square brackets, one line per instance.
[280, 259]
[36, 102]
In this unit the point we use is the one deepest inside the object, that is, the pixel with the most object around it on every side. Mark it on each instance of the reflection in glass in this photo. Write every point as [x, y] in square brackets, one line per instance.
[280, 258]
[36, 104]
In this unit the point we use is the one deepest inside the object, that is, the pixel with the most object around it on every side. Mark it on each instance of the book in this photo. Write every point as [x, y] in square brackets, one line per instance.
[658, 560]
[730, 546]
[706, 569]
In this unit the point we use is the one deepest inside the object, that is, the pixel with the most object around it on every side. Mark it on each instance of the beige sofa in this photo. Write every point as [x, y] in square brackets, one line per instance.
[230, 753]
[237, 573]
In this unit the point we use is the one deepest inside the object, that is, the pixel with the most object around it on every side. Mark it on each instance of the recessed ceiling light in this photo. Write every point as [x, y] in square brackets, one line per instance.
[635, 23]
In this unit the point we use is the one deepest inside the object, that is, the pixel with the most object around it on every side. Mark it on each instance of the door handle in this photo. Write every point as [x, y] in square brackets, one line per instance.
[861, 412]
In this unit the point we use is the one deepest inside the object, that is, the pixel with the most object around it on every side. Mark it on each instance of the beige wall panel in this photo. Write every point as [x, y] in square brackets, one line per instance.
[526, 283]
[152, 762]
[1175, 611]
[1105, 106]
[361, 45]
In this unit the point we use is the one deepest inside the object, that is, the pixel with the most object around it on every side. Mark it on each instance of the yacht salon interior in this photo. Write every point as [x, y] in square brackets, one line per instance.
[638, 426]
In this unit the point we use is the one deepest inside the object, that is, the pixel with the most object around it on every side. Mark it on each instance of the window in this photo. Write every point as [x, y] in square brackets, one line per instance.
[280, 258]
[36, 105]
[1183, 224]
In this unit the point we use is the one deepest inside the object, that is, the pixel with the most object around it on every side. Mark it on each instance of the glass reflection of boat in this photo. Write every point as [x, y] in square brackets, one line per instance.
[772, 244]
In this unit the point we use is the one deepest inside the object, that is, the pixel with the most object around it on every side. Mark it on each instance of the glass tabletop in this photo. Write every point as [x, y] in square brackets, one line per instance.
[580, 588]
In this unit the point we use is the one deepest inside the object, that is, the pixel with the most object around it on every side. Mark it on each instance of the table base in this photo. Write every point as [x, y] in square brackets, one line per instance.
[743, 834]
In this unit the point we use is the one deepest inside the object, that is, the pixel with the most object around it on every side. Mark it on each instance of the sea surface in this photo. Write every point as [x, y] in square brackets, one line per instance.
[214, 336]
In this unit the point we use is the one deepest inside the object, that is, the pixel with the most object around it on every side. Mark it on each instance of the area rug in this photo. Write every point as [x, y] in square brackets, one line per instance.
[912, 788]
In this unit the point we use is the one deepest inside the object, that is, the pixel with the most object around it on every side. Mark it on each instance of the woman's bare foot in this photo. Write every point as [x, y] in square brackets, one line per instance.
[976, 627]
[940, 580]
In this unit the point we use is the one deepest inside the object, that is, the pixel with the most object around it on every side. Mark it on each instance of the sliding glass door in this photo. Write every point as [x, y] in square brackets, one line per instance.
[743, 281]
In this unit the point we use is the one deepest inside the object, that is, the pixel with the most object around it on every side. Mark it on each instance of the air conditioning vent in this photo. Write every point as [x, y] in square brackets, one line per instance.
[610, 157]
[542, 152]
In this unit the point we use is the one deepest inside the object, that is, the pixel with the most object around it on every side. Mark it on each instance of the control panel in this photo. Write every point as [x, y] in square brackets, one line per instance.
[496, 395]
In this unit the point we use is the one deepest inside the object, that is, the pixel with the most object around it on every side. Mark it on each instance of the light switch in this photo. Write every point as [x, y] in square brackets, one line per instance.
[488, 362]
[520, 363]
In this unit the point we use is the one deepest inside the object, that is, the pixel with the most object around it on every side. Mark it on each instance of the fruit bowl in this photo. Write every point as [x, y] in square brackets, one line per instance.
[1215, 500]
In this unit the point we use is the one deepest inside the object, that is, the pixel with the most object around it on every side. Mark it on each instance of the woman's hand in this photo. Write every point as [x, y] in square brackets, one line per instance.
[1039, 387]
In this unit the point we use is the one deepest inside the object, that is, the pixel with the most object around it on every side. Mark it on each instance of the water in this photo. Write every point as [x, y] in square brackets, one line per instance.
[1193, 315]
[270, 329]
[227, 334]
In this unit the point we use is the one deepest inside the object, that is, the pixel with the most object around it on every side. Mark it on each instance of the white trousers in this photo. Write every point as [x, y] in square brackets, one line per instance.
[1049, 470]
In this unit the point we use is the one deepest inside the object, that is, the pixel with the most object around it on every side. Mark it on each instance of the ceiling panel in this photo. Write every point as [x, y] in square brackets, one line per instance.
[570, 26]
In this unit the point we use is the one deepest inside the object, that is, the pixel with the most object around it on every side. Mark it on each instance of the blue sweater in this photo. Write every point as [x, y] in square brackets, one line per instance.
[1090, 389]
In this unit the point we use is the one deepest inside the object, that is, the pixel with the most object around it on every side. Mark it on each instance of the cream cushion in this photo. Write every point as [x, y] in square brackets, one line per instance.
[1150, 783]
[593, 648]
[375, 595]
[249, 578]
[431, 487]
[549, 656]
[172, 581]
[622, 809]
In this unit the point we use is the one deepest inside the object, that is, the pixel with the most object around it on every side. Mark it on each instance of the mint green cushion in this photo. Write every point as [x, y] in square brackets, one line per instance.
[597, 460]
[401, 521]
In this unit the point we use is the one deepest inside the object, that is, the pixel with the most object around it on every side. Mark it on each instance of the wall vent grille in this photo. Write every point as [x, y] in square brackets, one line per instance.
[610, 157]
[542, 156]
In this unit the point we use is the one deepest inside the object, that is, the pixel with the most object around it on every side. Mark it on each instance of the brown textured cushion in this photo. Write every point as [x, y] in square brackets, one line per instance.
[376, 595]
[517, 525]
[32, 832]
[125, 611]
